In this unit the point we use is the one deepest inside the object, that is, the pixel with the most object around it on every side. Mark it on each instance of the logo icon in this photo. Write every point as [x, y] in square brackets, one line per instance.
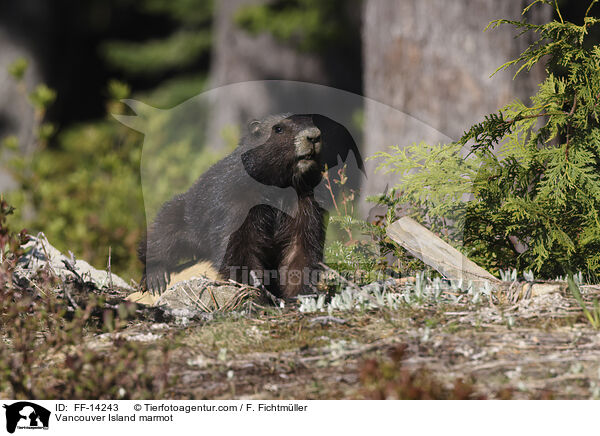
[26, 415]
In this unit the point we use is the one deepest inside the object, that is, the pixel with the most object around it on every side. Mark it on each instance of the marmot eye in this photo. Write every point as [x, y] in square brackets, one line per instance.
[278, 129]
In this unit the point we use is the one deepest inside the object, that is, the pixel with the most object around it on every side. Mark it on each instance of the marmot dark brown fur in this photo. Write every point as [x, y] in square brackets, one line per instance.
[253, 214]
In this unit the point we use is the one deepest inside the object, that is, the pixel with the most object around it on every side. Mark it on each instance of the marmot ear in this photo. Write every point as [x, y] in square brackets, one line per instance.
[254, 126]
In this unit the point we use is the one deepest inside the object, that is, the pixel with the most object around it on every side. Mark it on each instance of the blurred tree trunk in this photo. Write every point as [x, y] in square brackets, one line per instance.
[17, 41]
[431, 60]
[239, 56]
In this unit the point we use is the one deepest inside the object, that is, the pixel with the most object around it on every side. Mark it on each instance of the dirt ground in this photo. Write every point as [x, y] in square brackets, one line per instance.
[536, 348]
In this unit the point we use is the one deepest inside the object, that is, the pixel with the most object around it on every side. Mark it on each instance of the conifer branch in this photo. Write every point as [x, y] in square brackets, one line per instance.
[587, 12]
[535, 180]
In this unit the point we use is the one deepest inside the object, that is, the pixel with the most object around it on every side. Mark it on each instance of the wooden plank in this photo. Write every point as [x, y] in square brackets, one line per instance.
[432, 250]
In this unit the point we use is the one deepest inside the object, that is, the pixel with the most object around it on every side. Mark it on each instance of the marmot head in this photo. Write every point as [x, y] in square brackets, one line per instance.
[284, 150]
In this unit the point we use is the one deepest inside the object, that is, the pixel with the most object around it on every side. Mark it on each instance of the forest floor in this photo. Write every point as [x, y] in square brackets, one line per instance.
[455, 345]
[537, 348]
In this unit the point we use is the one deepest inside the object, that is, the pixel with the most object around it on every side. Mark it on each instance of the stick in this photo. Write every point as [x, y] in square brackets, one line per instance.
[110, 271]
[428, 247]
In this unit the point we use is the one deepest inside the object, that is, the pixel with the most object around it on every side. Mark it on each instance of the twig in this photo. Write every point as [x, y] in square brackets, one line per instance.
[330, 189]
[350, 353]
[574, 106]
[110, 281]
[214, 299]
[70, 267]
[541, 114]
[328, 185]
[35, 285]
[196, 300]
[46, 253]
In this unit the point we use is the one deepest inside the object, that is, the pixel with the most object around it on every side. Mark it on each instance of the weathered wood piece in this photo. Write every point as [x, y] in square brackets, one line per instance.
[426, 246]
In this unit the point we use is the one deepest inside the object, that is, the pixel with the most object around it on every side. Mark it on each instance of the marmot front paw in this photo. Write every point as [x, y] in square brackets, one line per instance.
[156, 280]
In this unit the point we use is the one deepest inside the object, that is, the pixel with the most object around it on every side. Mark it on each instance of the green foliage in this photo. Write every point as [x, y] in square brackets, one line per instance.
[118, 90]
[85, 194]
[190, 39]
[531, 171]
[592, 316]
[361, 249]
[358, 259]
[175, 55]
[46, 131]
[42, 97]
[18, 69]
[82, 186]
[391, 256]
[434, 180]
[152, 57]
[173, 91]
[350, 247]
[175, 153]
[188, 12]
[310, 25]
[10, 142]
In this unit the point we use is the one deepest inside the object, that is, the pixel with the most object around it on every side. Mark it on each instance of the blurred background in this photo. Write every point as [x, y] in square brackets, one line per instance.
[73, 171]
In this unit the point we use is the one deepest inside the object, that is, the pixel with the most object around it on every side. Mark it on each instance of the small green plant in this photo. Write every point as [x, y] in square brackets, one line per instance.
[361, 248]
[350, 248]
[529, 173]
[592, 316]
[387, 294]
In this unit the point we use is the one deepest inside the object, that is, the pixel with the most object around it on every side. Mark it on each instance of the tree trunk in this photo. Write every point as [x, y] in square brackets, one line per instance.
[239, 56]
[432, 61]
[16, 41]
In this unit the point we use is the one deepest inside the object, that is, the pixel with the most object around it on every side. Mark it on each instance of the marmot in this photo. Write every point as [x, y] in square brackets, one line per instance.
[253, 214]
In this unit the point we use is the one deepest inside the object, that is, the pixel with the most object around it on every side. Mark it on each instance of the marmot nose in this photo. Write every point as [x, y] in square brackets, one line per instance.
[314, 135]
